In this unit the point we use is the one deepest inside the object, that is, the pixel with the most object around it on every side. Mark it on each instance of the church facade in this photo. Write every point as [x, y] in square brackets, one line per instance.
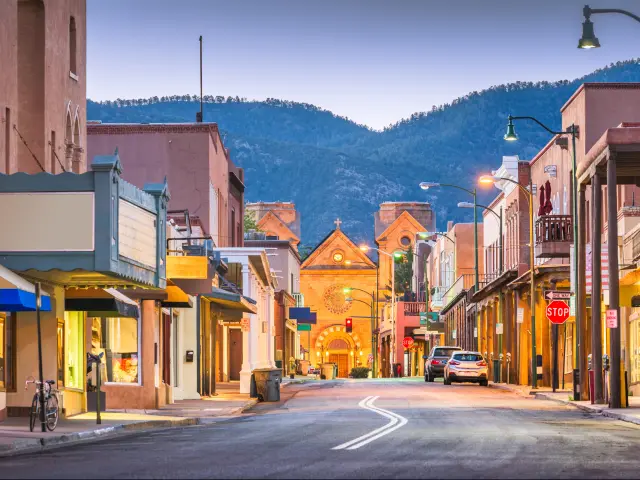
[334, 265]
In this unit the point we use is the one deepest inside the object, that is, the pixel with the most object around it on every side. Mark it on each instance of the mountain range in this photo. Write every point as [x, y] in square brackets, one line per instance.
[333, 167]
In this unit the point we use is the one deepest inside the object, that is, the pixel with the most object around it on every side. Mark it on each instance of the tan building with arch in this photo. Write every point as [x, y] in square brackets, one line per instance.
[337, 263]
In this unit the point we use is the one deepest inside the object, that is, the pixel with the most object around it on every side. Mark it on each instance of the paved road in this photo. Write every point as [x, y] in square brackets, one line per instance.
[460, 431]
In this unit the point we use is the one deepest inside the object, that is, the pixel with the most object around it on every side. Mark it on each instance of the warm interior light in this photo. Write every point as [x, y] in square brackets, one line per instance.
[347, 262]
[317, 354]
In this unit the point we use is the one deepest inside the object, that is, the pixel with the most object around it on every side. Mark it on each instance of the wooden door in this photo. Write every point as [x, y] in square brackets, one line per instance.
[235, 353]
[342, 360]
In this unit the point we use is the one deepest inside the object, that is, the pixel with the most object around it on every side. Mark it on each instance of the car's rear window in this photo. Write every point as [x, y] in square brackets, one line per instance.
[443, 352]
[467, 357]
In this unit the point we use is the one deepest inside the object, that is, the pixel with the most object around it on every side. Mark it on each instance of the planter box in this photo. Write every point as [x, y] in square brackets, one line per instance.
[91, 401]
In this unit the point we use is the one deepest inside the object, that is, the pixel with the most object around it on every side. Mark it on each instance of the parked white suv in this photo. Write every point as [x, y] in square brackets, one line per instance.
[466, 367]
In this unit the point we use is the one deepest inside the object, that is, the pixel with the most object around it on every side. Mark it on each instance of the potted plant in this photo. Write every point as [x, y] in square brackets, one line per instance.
[292, 367]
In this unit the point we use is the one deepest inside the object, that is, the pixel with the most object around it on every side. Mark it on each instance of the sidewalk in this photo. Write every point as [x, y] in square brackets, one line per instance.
[631, 414]
[15, 437]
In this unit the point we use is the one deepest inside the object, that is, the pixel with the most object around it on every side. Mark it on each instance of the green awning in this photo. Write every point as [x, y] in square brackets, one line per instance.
[231, 301]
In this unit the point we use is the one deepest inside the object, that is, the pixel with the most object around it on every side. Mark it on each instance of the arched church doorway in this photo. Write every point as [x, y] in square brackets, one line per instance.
[337, 346]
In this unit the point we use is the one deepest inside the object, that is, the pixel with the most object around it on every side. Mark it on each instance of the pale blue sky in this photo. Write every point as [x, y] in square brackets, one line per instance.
[375, 61]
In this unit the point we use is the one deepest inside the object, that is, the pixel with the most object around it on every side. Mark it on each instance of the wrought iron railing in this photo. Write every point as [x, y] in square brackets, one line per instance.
[463, 282]
[413, 309]
[554, 228]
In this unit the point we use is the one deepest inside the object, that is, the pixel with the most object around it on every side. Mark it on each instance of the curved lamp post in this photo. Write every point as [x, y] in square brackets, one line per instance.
[424, 235]
[366, 248]
[501, 260]
[491, 180]
[347, 291]
[588, 39]
[574, 131]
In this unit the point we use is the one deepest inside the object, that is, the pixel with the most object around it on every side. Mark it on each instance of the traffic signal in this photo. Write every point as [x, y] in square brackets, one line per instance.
[349, 325]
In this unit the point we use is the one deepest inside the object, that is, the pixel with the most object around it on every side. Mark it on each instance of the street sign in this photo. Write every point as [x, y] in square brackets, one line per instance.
[557, 312]
[453, 334]
[612, 319]
[304, 327]
[407, 342]
[557, 295]
[423, 318]
[499, 328]
[475, 332]
[520, 318]
[245, 324]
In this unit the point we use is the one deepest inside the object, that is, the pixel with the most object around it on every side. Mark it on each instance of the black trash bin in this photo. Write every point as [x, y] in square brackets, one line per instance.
[267, 384]
[496, 371]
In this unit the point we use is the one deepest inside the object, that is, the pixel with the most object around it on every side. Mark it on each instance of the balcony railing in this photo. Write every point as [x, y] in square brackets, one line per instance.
[413, 309]
[464, 282]
[437, 296]
[554, 235]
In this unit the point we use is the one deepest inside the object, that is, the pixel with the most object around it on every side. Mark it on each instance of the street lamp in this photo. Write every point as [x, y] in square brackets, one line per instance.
[501, 269]
[588, 39]
[366, 248]
[432, 234]
[491, 180]
[574, 131]
[428, 185]
[347, 291]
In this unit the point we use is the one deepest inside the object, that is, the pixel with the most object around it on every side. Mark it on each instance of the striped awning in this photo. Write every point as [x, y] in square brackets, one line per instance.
[19, 295]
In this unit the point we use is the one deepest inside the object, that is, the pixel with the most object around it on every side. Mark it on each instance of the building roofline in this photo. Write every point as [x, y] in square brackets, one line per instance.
[600, 86]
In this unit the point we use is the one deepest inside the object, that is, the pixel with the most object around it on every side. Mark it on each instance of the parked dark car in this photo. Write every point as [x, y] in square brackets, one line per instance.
[437, 359]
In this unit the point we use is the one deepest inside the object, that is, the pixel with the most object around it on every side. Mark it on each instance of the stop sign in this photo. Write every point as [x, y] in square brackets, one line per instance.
[407, 342]
[557, 312]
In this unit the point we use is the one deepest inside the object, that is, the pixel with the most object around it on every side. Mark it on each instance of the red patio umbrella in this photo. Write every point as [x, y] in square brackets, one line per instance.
[548, 208]
[541, 210]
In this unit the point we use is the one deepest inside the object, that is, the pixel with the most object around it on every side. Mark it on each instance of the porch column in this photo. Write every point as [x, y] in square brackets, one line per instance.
[581, 300]
[596, 286]
[271, 327]
[614, 286]
[248, 342]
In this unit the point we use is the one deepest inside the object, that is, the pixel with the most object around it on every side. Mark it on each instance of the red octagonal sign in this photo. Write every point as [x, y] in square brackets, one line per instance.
[407, 342]
[558, 312]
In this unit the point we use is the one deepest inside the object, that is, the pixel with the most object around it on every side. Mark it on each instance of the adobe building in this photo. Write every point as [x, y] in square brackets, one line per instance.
[277, 219]
[191, 156]
[279, 234]
[43, 86]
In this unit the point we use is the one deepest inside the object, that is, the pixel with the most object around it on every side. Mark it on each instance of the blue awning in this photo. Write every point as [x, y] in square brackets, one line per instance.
[18, 295]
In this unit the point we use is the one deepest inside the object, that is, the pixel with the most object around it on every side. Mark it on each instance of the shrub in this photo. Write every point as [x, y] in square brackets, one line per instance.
[360, 372]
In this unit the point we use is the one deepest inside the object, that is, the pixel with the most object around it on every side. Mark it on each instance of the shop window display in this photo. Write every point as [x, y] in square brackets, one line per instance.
[73, 347]
[117, 340]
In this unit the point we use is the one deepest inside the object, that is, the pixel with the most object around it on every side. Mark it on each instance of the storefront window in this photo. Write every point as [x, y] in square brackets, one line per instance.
[60, 343]
[117, 339]
[73, 347]
[634, 334]
[3, 321]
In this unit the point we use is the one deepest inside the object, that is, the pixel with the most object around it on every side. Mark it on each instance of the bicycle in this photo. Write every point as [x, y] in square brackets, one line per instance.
[51, 404]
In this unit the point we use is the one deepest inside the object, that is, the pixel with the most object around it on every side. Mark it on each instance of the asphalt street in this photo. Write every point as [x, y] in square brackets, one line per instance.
[392, 428]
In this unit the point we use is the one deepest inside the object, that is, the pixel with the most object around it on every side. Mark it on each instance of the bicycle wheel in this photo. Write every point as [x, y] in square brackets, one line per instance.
[52, 412]
[33, 414]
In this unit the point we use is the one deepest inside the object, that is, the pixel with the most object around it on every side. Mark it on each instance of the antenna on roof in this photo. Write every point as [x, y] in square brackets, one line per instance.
[199, 114]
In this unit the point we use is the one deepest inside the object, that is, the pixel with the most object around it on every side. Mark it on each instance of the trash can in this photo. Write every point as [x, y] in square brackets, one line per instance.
[328, 370]
[304, 367]
[267, 384]
[496, 371]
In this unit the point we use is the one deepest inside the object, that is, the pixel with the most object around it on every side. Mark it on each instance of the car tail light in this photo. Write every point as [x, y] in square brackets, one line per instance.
[435, 362]
[453, 362]
[481, 363]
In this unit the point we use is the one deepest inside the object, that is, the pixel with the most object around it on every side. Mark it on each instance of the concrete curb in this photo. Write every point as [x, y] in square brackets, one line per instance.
[509, 388]
[595, 409]
[34, 445]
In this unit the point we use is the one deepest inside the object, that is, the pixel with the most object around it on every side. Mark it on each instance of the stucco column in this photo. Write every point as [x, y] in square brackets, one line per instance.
[247, 337]
[271, 309]
[77, 164]
[596, 285]
[581, 301]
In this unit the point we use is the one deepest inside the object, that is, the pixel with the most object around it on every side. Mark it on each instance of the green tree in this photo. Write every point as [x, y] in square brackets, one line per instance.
[250, 221]
[404, 272]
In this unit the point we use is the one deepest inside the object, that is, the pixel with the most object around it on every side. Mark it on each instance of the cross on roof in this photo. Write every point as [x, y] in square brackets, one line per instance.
[338, 222]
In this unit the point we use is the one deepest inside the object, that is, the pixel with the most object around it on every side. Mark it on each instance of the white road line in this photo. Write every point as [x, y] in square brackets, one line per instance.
[403, 422]
[394, 418]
